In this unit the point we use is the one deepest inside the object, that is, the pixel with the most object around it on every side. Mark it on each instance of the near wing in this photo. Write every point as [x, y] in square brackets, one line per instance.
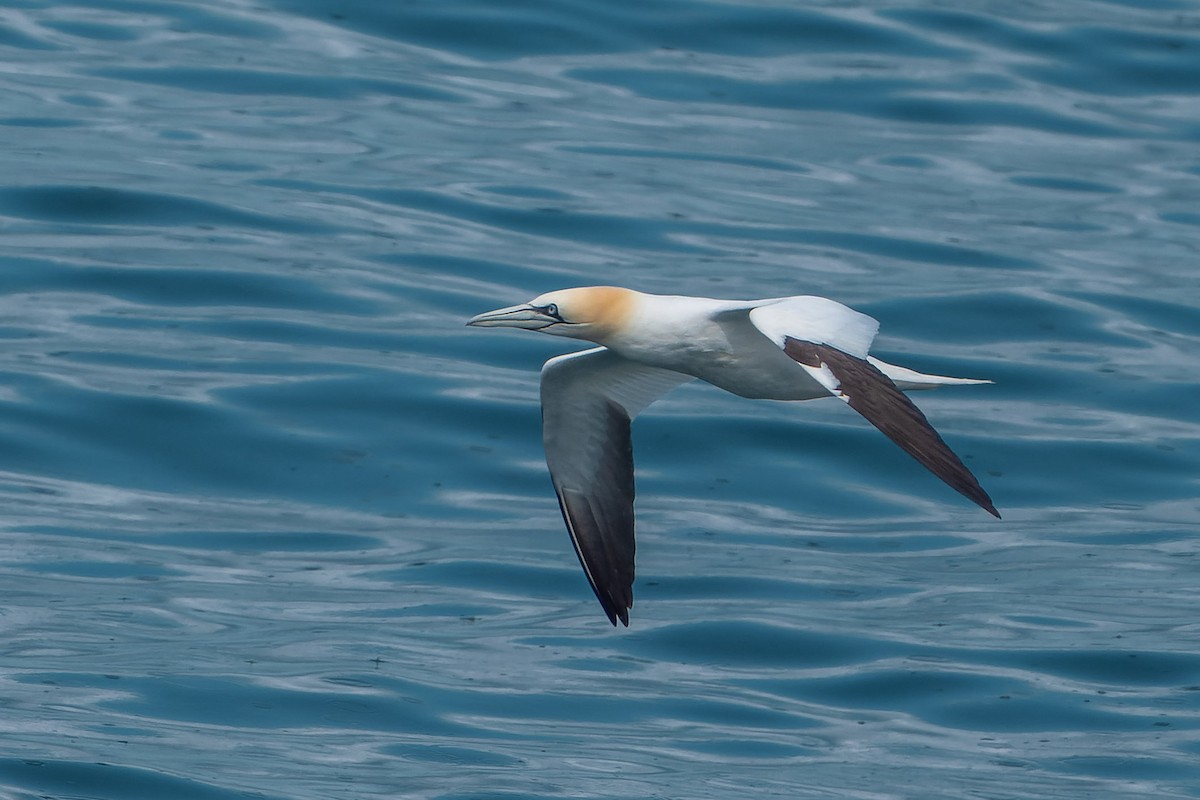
[830, 342]
[588, 401]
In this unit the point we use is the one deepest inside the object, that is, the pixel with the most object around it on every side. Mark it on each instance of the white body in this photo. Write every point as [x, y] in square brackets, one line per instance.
[725, 343]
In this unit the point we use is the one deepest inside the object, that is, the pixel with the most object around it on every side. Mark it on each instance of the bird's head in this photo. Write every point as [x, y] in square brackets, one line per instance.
[593, 313]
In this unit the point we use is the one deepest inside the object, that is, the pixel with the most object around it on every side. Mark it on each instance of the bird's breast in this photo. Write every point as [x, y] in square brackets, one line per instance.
[768, 378]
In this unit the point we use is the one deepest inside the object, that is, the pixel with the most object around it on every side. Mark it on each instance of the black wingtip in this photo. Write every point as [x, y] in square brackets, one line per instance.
[613, 610]
[873, 394]
[974, 492]
[969, 487]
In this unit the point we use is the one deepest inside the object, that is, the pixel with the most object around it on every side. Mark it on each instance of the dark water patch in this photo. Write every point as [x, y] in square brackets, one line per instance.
[991, 30]
[11, 37]
[466, 612]
[1128, 768]
[219, 541]
[912, 691]
[903, 541]
[1048, 622]
[1072, 226]
[353, 402]
[908, 162]
[526, 280]
[1123, 62]
[1156, 5]
[978, 700]
[475, 28]
[574, 704]
[480, 30]
[175, 445]
[660, 234]
[802, 463]
[101, 570]
[997, 316]
[1063, 184]
[85, 100]
[300, 333]
[1157, 315]
[451, 755]
[513, 579]
[10, 332]
[746, 643]
[752, 162]
[398, 424]
[597, 665]
[1077, 379]
[236, 704]
[1181, 218]
[39, 122]
[737, 715]
[540, 794]
[527, 192]
[148, 364]
[179, 136]
[1026, 709]
[1140, 537]
[518, 353]
[395, 419]
[750, 587]
[199, 20]
[268, 541]
[749, 750]
[1048, 473]
[230, 166]
[990, 113]
[174, 287]
[258, 82]
[1063, 45]
[764, 31]
[1113, 667]
[914, 250]
[105, 781]
[552, 222]
[102, 205]
[93, 30]
[878, 98]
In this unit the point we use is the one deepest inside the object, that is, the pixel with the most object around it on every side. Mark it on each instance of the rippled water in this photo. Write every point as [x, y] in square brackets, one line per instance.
[277, 525]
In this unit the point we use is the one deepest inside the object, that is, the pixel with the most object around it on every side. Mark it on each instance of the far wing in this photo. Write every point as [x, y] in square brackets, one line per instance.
[830, 342]
[588, 402]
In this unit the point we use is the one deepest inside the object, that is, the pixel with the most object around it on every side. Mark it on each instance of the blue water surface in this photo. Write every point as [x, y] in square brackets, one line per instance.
[277, 525]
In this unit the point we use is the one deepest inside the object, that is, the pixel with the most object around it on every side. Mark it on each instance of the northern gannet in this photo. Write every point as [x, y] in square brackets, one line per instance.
[783, 348]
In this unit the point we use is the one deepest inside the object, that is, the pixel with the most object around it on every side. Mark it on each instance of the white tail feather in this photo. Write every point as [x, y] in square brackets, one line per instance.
[908, 379]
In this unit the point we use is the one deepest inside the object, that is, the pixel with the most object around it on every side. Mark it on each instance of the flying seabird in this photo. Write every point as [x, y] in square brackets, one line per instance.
[783, 348]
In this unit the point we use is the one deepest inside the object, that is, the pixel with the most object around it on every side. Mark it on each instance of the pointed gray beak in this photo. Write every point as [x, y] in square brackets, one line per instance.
[522, 316]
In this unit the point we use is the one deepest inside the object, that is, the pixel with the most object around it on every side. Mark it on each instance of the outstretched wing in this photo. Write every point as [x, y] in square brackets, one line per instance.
[588, 401]
[830, 342]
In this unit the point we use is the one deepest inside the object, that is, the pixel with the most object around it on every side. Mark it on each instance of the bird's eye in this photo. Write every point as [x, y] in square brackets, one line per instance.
[552, 310]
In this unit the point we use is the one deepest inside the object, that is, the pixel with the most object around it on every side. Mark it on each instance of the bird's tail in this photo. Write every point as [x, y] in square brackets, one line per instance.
[909, 380]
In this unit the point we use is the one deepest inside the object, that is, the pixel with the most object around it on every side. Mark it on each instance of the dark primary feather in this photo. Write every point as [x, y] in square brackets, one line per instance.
[875, 396]
[599, 517]
[587, 406]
